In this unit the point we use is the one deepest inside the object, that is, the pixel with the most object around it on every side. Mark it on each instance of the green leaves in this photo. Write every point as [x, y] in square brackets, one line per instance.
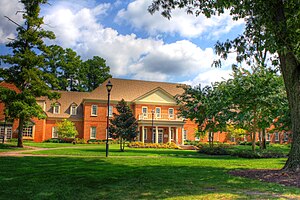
[66, 129]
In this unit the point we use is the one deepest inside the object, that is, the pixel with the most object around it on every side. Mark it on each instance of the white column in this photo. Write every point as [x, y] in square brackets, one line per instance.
[169, 139]
[5, 133]
[156, 134]
[143, 134]
[182, 136]
[176, 135]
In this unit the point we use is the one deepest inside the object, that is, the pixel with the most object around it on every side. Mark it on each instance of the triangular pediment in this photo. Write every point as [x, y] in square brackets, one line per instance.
[156, 96]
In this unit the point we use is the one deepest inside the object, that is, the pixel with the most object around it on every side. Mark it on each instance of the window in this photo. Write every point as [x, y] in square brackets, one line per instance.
[172, 134]
[197, 138]
[277, 136]
[93, 132]
[185, 135]
[145, 112]
[245, 138]
[157, 112]
[285, 136]
[171, 112]
[27, 131]
[110, 111]
[268, 137]
[54, 132]
[56, 108]
[94, 110]
[73, 109]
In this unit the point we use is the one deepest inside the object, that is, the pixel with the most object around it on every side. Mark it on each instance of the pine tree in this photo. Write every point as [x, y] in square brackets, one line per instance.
[124, 124]
[26, 68]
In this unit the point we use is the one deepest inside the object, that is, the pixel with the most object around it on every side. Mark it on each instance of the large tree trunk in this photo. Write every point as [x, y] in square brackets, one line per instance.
[20, 132]
[263, 138]
[291, 73]
[290, 69]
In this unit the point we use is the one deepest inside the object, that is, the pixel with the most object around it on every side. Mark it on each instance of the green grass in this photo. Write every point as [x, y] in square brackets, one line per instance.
[134, 174]
[9, 147]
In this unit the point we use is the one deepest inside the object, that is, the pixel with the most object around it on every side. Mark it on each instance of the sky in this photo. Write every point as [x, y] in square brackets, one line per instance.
[134, 43]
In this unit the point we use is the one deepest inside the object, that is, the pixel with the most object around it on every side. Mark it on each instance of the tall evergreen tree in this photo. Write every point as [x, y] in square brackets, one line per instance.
[26, 67]
[94, 72]
[124, 124]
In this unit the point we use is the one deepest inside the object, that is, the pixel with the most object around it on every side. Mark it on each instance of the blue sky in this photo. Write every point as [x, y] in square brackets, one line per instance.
[135, 44]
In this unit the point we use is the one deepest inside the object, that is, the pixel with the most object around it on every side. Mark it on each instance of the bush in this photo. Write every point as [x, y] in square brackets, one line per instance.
[80, 141]
[169, 145]
[228, 150]
[57, 140]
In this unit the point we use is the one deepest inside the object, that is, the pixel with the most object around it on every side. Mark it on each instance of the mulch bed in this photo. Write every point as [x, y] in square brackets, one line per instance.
[274, 176]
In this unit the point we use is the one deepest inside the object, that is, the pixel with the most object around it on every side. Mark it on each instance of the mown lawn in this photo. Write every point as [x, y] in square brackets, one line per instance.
[134, 174]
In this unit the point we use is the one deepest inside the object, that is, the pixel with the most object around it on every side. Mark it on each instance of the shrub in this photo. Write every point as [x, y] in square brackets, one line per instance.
[80, 141]
[169, 145]
[227, 150]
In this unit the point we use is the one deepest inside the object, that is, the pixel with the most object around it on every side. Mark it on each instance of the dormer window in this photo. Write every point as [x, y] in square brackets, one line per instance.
[73, 109]
[56, 108]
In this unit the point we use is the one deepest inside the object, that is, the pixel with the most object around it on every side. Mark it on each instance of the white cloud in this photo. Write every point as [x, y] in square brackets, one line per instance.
[9, 8]
[128, 55]
[190, 26]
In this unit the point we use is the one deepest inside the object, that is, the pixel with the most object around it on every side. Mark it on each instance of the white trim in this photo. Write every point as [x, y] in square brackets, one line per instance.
[73, 109]
[110, 110]
[54, 132]
[56, 111]
[91, 132]
[96, 106]
[145, 133]
[268, 137]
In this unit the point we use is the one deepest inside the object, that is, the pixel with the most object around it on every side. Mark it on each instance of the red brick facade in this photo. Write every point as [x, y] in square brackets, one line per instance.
[163, 125]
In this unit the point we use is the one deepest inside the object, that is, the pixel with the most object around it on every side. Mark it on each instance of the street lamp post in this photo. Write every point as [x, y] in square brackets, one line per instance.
[108, 88]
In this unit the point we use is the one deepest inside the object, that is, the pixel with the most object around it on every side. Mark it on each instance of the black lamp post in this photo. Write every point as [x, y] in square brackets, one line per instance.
[108, 88]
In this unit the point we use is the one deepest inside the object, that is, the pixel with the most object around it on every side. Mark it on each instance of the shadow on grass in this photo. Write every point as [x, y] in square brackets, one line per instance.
[125, 178]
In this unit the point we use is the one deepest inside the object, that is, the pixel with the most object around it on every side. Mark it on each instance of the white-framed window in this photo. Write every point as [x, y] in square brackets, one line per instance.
[28, 131]
[145, 133]
[158, 112]
[268, 137]
[185, 134]
[276, 136]
[110, 111]
[145, 111]
[171, 112]
[73, 109]
[245, 138]
[94, 110]
[93, 132]
[197, 138]
[285, 136]
[54, 132]
[56, 108]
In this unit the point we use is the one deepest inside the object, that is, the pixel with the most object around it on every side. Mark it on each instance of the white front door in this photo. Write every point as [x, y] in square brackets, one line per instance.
[160, 135]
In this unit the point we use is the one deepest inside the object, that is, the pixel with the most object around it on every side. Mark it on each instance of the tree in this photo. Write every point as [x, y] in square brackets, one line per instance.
[124, 125]
[94, 72]
[254, 98]
[26, 70]
[66, 129]
[279, 21]
[204, 106]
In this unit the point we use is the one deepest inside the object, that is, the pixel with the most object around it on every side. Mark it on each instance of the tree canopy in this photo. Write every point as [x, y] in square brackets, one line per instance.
[275, 23]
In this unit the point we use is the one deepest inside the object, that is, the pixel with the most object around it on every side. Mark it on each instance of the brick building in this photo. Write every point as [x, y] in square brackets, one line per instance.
[153, 105]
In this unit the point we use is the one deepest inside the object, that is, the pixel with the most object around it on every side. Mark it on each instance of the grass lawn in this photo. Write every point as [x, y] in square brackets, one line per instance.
[134, 174]
[9, 147]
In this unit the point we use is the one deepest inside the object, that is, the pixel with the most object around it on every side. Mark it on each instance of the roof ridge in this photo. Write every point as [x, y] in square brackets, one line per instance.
[145, 81]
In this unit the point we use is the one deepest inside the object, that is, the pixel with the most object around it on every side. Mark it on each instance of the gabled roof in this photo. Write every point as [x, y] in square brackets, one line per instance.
[130, 90]
[163, 94]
